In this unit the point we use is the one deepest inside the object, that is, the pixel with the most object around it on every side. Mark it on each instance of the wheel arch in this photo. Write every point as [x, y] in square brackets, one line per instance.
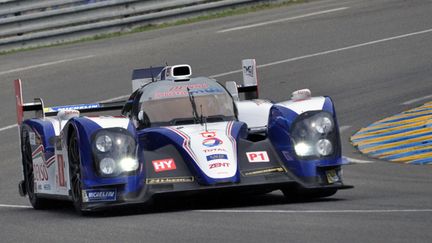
[83, 134]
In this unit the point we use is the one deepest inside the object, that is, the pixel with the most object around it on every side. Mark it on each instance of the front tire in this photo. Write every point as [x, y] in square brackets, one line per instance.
[75, 173]
[26, 151]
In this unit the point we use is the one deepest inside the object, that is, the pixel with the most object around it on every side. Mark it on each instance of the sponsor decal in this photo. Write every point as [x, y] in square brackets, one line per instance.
[258, 156]
[208, 134]
[212, 142]
[47, 187]
[164, 165]
[99, 195]
[248, 70]
[180, 91]
[32, 137]
[263, 171]
[40, 172]
[218, 165]
[61, 174]
[72, 107]
[216, 157]
[190, 86]
[214, 150]
[169, 180]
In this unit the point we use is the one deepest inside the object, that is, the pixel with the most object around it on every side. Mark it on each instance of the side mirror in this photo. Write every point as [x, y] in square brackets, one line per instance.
[231, 86]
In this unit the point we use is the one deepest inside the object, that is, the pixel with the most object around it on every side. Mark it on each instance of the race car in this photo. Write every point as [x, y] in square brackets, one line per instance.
[179, 134]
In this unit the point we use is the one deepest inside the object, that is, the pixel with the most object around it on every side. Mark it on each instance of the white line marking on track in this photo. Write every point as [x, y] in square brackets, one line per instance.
[113, 99]
[330, 51]
[8, 127]
[282, 20]
[357, 161]
[46, 64]
[287, 60]
[409, 102]
[13, 206]
[427, 210]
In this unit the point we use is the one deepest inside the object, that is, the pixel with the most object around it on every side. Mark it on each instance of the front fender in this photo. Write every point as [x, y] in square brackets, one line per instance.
[86, 128]
[281, 119]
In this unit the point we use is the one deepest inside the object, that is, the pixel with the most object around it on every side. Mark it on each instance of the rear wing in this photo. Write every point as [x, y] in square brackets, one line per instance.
[250, 82]
[41, 111]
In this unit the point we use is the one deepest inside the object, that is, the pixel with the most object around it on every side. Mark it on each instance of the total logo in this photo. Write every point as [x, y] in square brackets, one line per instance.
[212, 142]
[164, 165]
[214, 150]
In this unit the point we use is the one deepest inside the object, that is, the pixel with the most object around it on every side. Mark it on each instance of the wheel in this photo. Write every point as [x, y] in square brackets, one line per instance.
[35, 201]
[75, 172]
[302, 193]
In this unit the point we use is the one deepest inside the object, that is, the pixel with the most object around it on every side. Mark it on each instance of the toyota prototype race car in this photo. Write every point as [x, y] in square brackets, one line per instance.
[179, 134]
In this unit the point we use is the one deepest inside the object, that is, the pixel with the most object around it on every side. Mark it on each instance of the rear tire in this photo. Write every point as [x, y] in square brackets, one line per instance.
[27, 160]
[75, 173]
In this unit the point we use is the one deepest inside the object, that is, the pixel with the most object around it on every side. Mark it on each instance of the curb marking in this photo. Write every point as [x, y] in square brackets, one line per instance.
[405, 137]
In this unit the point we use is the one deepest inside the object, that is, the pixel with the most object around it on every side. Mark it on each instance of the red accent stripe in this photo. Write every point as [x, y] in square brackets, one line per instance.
[233, 141]
[50, 161]
[186, 140]
[37, 151]
[60, 165]
[19, 101]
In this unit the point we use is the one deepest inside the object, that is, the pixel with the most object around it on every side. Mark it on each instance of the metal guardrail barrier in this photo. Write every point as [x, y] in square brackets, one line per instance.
[33, 23]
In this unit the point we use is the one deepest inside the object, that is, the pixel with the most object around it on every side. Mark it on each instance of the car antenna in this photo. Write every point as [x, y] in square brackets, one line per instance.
[151, 72]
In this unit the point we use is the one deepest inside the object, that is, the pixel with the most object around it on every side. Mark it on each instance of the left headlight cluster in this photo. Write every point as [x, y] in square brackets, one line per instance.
[314, 135]
[114, 150]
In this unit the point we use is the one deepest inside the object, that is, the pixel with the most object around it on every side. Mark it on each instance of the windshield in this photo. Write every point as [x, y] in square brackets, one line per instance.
[170, 103]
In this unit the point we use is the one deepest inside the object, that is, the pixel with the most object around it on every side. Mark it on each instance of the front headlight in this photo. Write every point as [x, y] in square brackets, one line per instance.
[114, 152]
[107, 166]
[303, 149]
[129, 164]
[314, 135]
[104, 143]
[324, 147]
[323, 124]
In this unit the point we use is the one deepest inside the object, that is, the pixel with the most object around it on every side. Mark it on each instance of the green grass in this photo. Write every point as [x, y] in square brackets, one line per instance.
[148, 27]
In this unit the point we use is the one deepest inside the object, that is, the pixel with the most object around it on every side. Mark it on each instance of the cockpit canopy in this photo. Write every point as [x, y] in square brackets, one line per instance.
[172, 103]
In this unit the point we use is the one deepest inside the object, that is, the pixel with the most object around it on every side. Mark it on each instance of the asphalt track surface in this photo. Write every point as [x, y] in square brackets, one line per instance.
[373, 57]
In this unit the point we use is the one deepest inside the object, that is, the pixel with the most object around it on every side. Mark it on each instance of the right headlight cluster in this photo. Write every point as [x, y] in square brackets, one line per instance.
[114, 152]
[314, 135]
